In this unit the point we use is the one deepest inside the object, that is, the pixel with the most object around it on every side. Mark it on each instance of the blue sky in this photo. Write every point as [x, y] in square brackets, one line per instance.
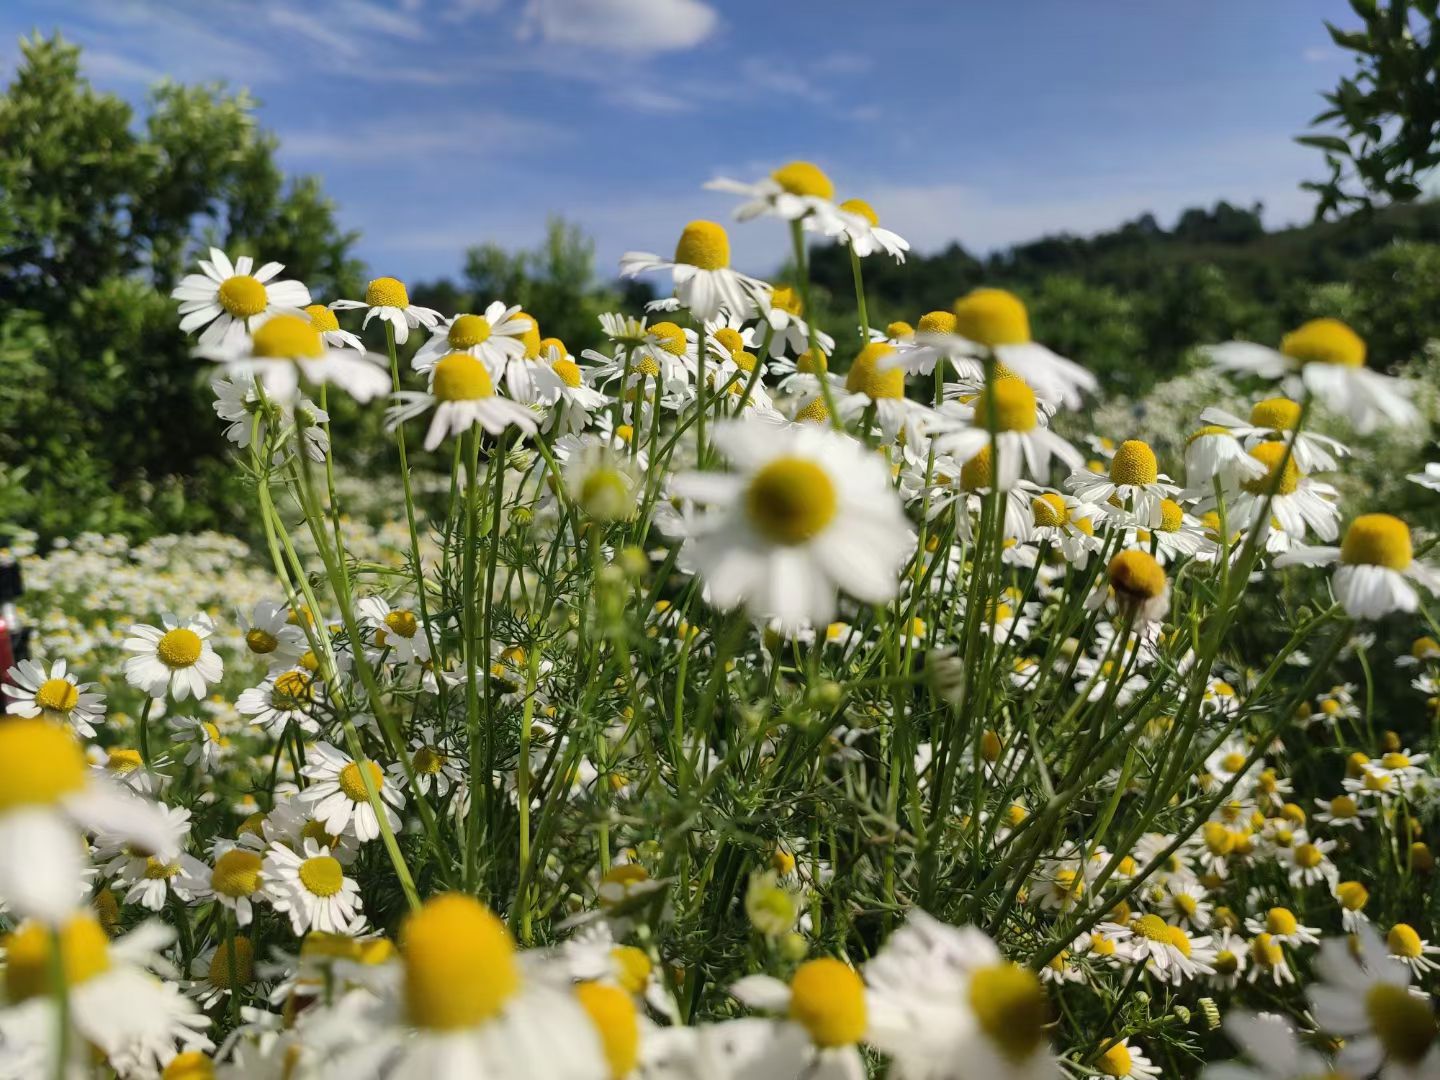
[440, 123]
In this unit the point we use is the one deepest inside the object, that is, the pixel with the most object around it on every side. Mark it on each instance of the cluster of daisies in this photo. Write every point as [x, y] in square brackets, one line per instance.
[735, 676]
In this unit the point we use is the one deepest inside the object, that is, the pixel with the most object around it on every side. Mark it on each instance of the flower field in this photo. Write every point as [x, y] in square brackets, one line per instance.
[747, 698]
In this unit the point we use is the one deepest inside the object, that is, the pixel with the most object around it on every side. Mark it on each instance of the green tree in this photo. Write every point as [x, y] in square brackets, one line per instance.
[107, 419]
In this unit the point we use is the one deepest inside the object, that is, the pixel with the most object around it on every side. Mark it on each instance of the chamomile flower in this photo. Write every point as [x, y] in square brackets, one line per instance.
[826, 998]
[857, 226]
[496, 337]
[1408, 947]
[236, 881]
[438, 766]
[575, 401]
[311, 887]
[462, 393]
[396, 629]
[388, 300]
[703, 279]
[204, 745]
[796, 190]
[1168, 952]
[1352, 896]
[1342, 812]
[1273, 1050]
[227, 967]
[1267, 961]
[1285, 497]
[869, 388]
[806, 512]
[1125, 1062]
[1232, 956]
[1307, 861]
[1282, 926]
[1275, 420]
[1365, 998]
[1377, 571]
[55, 694]
[1133, 485]
[284, 697]
[1429, 479]
[179, 660]
[234, 298]
[1021, 441]
[287, 350]
[338, 794]
[665, 353]
[1213, 453]
[150, 880]
[323, 319]
[784, 311]
[1326, 358]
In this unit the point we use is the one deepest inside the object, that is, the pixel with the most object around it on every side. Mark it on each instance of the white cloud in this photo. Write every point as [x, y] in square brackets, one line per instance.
[1320, 54]
[471, 137]
[634, 26]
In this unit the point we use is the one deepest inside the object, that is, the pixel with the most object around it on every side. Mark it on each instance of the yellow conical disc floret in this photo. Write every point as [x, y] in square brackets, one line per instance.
[1013, 403]
[531, 337]
[1277, 413]
[242, 296]
[460, 964]
[1271, 454]
[804, 178]
[1115, 1061]
[1324, 341]
[233, 972]
[790, 500]
[84, 953]
[1049, 510]
[1404, 1023]
[613, 1013]
[936, 322]
[865, 376]
[992, 317]
[1172, 515]
[899, 330]
[322, 318]
[461, 377]
[979, 471]
[1134, 464]
[670, 338]
[191, 1065]
[861, 208]
[236, 873]
[40, 763]
[1135, 575]
[827, 999]
[1377, 540]
[1010, 1007]
[812, 362]
[814, 413]
[467, 331]
[287, 337]
[705, 244]
[787, 299]
[57, 695]
[729, 339]
[387, 292]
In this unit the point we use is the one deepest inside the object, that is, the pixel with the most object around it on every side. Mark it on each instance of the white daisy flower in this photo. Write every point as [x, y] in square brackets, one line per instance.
[1342, 812]
[704, 282]
[387, 299]
[794, 191]
[1123, 1061]
[827, 1000]
[285, 697]
[396, 629]
[1274, 420]
[55, 695]
[205, 746]
[1168, 952]
[234, 298]
[664, 352]
[856, 225]
[1326, 358]
[288, 349]
[271, 634]
[237, 881]
[805, 513]
[869, 387]
[495, 337]
[462, 393]
[1022, 441]
[1275, 1053]
[1429, 479]
[179, 660]
[1134, 482]
[311, 886]
[1286, 500]
[437, 765]
[1377, 572]
[150, 880]
[575, 402]
[1214, 453]
[1282, 926]
[337, 792]
[323, 319]
[784, 312]
[1307, 861]
[1232, 957]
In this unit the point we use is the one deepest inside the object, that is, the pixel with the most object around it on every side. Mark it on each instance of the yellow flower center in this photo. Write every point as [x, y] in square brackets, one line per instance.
[1115, 1061]
[1172, 515]
[632, 967]
[1395, 760]
[260, 641]
[1152, 928]
[179, 648]
[1281, 922]
[322, 318]
[937, 322]
[159, 870]
[1233, 761]
[899, 330]
[191, 1065]
[865, 376]
[461, 377]
[123, 761]
[814, 413]
[786, 299]
[782, 862]
[287, 337]
[1404, 1023]
[1308, 856]
[1134, 464]
[1278, 414]
[1135, 575]
[745, 361]
[1377, 540]
[804, 178]
[1271, 454]
[460, 965]
[790, 500]
[861, 208]
[1352, 895]
[1186, 904]
[402, 623]
[670, 338]
[531, 336]
[1207, 430]
[992, 317]
[84, 953]
[428, 760]
[233, 974]
[242, 296]
[57, 695]
[613, 1014]
[1049, 510]
[1226, 962]
[1324, 341]
[291, 691]
[827, 998]
[1404, 941]
[322, 876]
[1266, 951]
[569, 372]
[1013, 403]
[1010, 1007]
[730, 339]
[467, 331]
[1423, 648]
[387, 292]
[236, 873]
[704, 244]
[979, 471]
[40, 763]
[1218, 839]
[353, 784]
